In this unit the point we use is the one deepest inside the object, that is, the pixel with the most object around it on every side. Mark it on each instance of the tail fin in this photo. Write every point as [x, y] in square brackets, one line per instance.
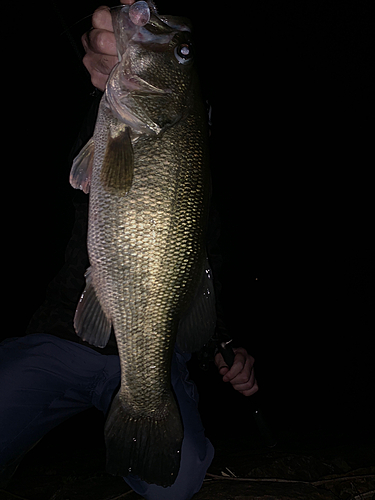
[142, 445]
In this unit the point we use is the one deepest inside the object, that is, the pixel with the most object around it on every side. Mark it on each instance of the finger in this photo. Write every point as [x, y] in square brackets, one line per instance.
[221, 364]
[102, 18]
[241, 361]
[250, 392]
[100, 46]
[95, 57]
[99, 42]
[99, 66]
[247, 385]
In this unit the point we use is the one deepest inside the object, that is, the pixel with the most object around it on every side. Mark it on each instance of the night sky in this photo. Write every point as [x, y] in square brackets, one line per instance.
[291, 88]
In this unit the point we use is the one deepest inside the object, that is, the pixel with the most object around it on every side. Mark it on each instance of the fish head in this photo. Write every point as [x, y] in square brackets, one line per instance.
[150, 88]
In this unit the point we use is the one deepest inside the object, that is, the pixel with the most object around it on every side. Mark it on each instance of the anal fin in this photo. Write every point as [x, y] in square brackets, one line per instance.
[118, 166]
[90, 321]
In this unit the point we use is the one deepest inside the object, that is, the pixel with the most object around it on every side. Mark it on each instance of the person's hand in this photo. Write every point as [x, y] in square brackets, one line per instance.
[241, 375]
[100, 46]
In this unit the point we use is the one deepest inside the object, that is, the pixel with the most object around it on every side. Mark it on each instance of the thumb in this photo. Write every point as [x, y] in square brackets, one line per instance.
[221, 364]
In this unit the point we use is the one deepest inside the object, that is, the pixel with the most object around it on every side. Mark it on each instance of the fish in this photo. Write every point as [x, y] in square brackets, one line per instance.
[147, 173]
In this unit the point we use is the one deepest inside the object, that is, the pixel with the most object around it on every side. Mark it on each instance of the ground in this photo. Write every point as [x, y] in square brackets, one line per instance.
[68, 464]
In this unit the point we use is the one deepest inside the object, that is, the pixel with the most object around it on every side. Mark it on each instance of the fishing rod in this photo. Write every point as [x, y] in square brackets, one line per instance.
[254, 401]
[68, 32]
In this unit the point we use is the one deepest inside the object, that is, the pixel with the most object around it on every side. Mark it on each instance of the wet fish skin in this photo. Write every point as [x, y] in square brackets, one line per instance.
[149, 194]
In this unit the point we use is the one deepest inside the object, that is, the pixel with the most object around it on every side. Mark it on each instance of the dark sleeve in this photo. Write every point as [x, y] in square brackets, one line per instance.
[216, 261]
[87, 128]
[55, 316]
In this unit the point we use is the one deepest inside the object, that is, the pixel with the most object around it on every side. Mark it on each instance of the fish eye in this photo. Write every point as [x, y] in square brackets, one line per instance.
[183, 53]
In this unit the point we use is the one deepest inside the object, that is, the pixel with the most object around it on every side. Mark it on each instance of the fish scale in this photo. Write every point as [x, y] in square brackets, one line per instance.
[147, 260]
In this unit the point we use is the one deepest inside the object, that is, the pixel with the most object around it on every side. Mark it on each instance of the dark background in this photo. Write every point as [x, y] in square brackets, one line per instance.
[291, 88]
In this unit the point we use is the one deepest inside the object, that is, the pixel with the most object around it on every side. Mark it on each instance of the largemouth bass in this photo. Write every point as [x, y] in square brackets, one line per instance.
[146, 170]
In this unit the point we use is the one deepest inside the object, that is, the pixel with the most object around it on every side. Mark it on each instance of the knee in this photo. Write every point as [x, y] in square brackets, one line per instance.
[195, 461]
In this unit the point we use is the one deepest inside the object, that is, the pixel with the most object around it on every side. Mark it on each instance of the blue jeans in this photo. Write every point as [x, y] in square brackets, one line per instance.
[44, 380]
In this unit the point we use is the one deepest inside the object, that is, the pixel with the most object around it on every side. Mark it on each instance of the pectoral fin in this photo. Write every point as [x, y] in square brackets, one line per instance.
[80, 174]
[117, 169]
